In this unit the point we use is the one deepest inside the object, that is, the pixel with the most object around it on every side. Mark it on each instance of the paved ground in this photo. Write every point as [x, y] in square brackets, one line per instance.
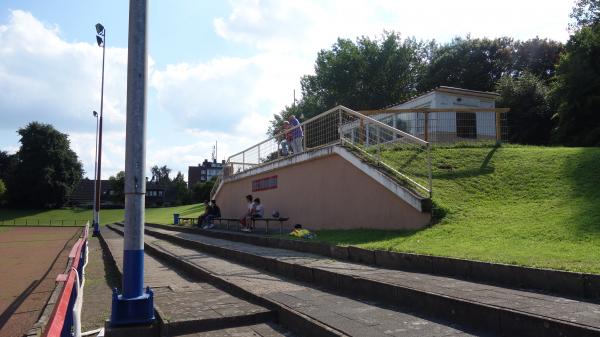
[557, 308]
[182, 302]
[101, 275]
[31, 259]
[258, 330]
[349, 316]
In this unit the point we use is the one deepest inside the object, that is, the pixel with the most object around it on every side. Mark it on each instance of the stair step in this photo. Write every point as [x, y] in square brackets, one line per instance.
[303, 308]
[478, 306]
[187, 306]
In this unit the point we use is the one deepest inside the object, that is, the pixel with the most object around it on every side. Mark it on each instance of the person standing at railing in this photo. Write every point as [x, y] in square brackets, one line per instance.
[287, 139]
[297, 135]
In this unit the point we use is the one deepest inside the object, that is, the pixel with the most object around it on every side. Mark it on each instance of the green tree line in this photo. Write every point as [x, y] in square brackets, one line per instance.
[553, 89]
[175, 190]
[43, 172]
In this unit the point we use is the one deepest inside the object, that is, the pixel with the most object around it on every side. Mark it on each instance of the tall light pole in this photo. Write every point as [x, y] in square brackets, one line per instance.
[135, 304]
[95, 162]
[101, 39]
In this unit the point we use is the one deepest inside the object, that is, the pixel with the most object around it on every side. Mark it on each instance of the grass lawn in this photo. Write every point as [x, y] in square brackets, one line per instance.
[162, 215]
[525, 205]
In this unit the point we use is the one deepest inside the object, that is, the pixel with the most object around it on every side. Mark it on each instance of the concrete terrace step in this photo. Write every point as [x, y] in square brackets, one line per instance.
[478, 306]
[258, 330]
[186, 306]
[303, 308]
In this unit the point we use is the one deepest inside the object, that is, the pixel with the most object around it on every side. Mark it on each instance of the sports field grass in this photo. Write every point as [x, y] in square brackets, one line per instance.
[162, 215]
[525, 205]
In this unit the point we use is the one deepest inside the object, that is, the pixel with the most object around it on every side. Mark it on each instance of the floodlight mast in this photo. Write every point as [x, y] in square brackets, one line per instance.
[101, 40]
[95, 162]
[135, 305]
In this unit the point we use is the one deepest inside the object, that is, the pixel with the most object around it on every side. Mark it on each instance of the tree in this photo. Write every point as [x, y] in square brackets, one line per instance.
[8, 163]
[362, 74]
[530, 116]
[179, 188]
[201, 191]
[538, 57]
[117, 184]
[47, 170]
[586, 13]
[475, 64]
[576, 92]
[2, 192]
[160, 175]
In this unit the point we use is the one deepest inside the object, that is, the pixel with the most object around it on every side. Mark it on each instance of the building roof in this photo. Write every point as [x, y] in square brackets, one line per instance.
[448, 90]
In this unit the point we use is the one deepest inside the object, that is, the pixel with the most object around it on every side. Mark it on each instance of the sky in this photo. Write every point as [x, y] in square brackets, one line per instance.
[218, 70]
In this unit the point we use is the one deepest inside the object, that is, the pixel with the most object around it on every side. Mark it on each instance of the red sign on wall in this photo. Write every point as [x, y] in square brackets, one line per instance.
[267, 183]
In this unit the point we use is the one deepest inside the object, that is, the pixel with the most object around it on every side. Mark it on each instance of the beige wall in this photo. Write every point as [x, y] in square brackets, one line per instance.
[324, 193]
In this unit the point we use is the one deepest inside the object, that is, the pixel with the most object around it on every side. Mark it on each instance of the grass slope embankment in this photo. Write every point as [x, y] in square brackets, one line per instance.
[525, 205]
[163, 215]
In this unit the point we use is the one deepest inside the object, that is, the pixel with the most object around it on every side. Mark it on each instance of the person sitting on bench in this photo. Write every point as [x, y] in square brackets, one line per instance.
[245, 220]
[204, 214]
[258, 212]
[214, 212]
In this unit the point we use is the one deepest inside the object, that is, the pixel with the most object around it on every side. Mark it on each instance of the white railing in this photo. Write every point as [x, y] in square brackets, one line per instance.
[398, 153]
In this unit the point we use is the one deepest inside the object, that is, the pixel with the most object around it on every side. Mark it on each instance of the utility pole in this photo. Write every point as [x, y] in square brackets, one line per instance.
[135, 304]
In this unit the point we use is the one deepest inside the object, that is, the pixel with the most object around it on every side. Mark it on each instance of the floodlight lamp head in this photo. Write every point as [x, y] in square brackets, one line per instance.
[95, 113]
[99, 29]
[100, 40]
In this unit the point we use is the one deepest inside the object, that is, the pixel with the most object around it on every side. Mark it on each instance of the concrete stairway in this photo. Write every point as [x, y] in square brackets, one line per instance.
[185, 306]
[478, 307]
[302, 307]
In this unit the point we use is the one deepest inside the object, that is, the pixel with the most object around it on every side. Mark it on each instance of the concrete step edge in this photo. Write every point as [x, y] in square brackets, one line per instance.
[578, 286]
[182, 328]
[289, 318]
[475, 315]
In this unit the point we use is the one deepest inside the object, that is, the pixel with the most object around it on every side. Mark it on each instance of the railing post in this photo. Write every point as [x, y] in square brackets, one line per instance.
[498, 130]
[367, 134]
[426, 131]
[259, 155]
[429, 174]
[243, 161]
[303, 138]
[340, 124]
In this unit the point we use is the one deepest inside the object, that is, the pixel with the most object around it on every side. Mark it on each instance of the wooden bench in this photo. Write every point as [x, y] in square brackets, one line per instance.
[266, 220]
[254, 220]
[189, 221]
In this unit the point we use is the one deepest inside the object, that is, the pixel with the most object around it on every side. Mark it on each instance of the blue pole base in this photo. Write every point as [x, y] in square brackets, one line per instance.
[132, 311]
[96, 231]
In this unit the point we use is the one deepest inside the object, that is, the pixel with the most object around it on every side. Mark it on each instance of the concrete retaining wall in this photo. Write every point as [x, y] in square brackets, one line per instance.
[324, 189]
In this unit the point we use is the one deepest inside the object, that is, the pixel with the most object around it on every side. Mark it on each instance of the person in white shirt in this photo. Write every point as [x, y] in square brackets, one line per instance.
[259, 210]
[245, 220]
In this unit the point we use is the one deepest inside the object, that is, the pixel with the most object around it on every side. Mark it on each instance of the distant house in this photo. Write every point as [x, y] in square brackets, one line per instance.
[204, 172]
[449, 125]
[83, 194]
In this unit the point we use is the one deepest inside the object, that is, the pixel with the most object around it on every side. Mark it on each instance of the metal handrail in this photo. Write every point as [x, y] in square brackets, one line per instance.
[405, 136]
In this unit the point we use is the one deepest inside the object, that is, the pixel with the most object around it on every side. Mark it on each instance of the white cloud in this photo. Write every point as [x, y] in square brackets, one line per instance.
[312, 25]
[227, 98]
[44, 78]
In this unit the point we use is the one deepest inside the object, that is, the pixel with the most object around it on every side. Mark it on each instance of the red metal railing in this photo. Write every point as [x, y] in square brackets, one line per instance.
[61, 319]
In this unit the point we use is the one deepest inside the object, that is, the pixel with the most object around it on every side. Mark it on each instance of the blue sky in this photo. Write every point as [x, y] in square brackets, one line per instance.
[219, 70]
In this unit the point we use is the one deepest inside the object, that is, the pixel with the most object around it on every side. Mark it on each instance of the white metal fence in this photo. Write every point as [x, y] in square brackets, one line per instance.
[448, 125]
[399, 154]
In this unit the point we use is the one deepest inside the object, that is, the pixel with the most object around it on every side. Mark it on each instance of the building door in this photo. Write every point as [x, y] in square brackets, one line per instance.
[466, 125]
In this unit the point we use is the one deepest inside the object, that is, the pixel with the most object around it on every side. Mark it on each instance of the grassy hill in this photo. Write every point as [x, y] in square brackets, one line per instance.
[526, 205]
[156, 215]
